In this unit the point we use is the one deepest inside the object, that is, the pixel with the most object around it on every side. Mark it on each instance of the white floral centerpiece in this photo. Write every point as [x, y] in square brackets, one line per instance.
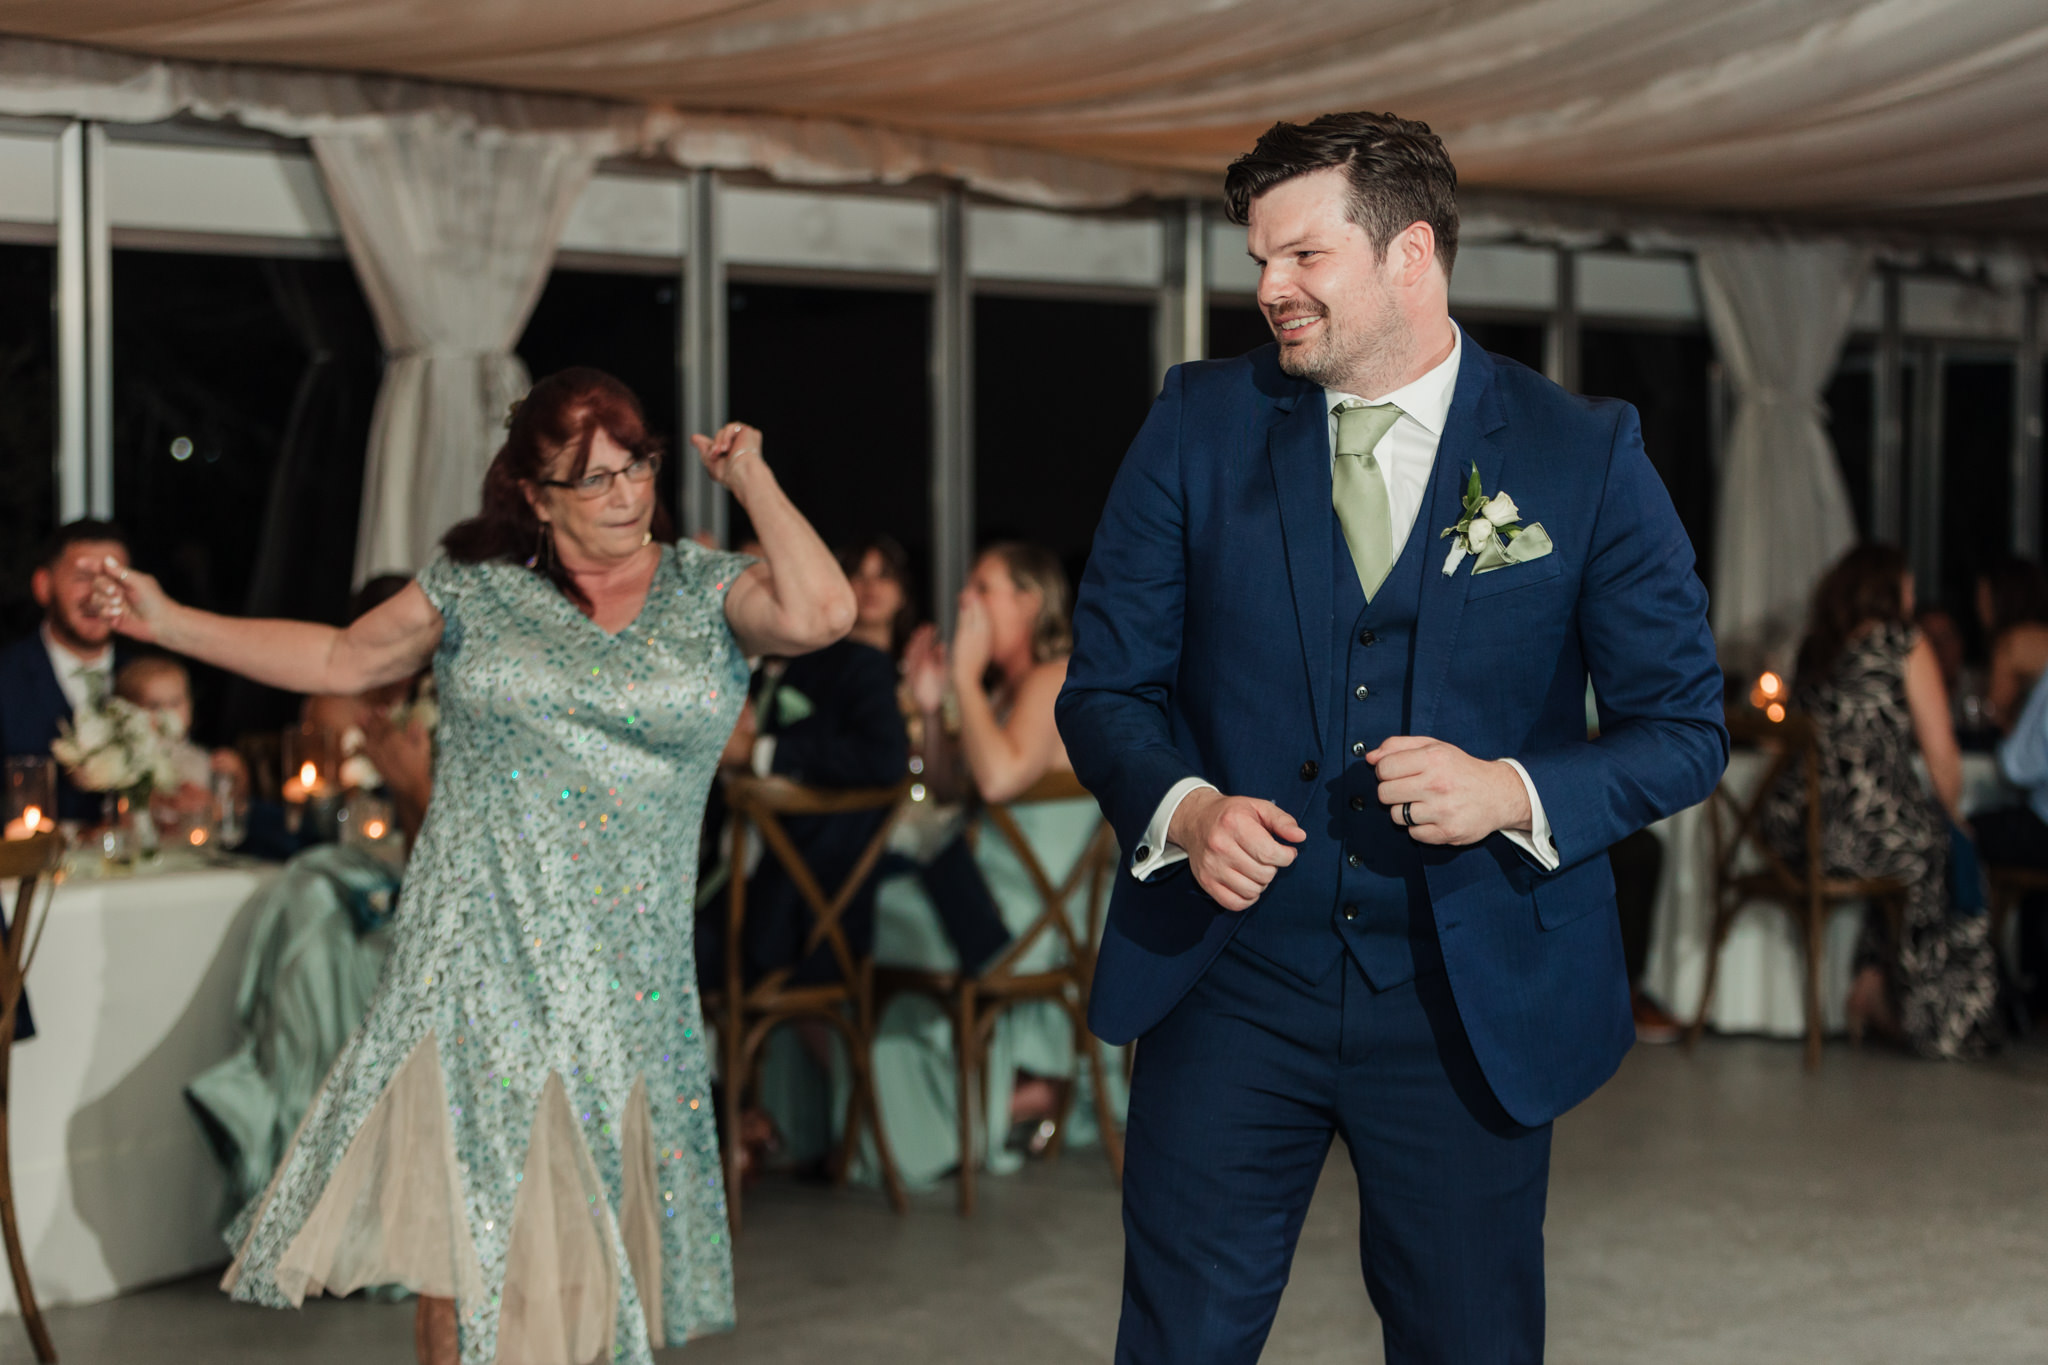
[120, 749]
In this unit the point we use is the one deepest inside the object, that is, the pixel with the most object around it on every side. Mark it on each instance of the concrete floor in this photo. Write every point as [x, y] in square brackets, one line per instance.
[1723, 1207]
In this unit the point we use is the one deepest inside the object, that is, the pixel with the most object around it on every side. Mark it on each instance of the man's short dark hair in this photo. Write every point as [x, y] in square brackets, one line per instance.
[1399, 172]
[77, 532]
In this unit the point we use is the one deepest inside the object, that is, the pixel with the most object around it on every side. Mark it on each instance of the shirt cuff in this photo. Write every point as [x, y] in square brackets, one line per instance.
[764, 759]
[1537, 843]
[1155, 854]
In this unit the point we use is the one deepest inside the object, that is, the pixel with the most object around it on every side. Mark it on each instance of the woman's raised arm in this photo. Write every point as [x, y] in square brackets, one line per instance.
[388, 644]
[799, 601]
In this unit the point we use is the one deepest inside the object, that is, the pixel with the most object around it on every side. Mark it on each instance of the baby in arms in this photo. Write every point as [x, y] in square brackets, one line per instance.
[161, 686]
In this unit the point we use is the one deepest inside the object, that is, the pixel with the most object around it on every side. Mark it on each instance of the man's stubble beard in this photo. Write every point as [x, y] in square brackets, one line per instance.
[1364, 362]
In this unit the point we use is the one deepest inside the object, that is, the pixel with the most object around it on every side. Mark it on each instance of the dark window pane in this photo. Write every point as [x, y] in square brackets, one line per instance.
[839, 382]
[1235, 328]
[1665, 375]
[1520, 341]
[1046, 447]
[1976, 475]
[625, 325]
[28, 425]
[1852, 424]
[242, 396]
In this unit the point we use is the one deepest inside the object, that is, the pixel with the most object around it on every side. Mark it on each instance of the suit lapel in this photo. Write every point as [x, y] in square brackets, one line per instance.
[1298, 446]
[1475, 415]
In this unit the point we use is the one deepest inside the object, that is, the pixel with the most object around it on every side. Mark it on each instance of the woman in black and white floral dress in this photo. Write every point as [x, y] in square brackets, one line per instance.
[1873, 688]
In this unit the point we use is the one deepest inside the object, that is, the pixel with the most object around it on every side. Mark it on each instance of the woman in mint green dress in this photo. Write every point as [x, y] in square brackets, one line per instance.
[521, 1132]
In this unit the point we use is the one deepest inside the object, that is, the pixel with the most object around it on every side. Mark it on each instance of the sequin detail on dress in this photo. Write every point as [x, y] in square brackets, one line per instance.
[543, 973]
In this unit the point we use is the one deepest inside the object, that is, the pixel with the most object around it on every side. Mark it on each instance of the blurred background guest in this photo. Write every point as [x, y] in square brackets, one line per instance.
[1872, 686]
[2017, 836]
[67, 663]
[318, 942]
[1003, 673]
[2012, 604]
[162, 686]
[879, 570]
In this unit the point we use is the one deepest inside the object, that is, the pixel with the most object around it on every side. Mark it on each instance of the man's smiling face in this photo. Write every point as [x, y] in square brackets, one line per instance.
[1324, 290]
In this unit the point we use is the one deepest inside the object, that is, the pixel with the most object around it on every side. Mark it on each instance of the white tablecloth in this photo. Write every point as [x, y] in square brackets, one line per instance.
[1762, 985]
[134, 994]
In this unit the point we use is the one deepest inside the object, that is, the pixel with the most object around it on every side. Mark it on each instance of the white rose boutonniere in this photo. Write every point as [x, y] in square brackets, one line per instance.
[1491, 531]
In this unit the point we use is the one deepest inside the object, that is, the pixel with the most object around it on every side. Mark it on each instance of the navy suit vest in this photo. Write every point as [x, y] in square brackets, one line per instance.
[1381, 911]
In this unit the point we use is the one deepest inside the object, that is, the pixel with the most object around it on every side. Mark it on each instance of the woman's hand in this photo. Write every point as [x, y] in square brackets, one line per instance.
[972, 643]
[924, 669]
[132, 602]
[732, 457]
[402, 755]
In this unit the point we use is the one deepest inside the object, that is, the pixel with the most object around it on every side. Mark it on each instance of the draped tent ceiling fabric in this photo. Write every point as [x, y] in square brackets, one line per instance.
[1915, 111]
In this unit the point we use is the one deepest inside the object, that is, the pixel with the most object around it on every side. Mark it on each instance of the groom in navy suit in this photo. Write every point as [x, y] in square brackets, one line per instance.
[1369, 893]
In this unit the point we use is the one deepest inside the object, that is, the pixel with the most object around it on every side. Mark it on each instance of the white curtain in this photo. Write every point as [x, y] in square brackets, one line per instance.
[451, 228]
[1778, 312]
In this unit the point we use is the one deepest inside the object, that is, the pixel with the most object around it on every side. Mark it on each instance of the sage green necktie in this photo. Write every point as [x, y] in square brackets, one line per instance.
[1358, 491]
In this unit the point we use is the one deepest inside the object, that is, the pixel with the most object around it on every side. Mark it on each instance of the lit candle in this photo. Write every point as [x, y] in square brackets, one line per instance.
[198, 838]
[373, 829]
[30, 822]
[297, 789]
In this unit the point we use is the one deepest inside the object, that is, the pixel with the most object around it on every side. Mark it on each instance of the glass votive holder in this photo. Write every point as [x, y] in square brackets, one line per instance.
[30, 805]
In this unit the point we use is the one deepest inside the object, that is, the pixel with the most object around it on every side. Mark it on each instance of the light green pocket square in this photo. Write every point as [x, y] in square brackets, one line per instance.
[791, 706]
[1532, 543]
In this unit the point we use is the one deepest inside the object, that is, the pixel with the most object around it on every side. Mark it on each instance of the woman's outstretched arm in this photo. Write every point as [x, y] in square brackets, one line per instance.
[798, 601]
[385, 645]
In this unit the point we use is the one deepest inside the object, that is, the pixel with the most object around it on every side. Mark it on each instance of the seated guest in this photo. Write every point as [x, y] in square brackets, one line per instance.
[2012, 603]
[1004, 671]
[827, 719]
[68, 663]
[1872, 687]
[2017, 836]
[160, 685]
[879, 571]
[315, 952]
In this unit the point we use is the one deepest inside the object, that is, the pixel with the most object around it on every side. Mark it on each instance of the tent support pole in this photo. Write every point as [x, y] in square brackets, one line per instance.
[703, 357]
[1887, 506]
[952, 385]
[2026, 432]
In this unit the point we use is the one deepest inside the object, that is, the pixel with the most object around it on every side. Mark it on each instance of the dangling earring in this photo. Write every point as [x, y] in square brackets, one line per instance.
[646, 539]
[543, 546]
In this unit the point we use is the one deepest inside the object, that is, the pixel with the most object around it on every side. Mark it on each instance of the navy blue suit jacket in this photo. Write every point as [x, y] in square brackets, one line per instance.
[1203, 649]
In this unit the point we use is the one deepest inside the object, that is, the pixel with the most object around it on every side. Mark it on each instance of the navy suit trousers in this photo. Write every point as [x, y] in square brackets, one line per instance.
[1235, 1098]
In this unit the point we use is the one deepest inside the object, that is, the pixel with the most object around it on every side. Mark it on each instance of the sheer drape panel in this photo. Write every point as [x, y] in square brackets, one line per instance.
[1778, 312]
[452, 229]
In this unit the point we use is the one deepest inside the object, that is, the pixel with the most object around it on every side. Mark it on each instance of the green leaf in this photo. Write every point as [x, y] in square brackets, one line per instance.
[1472, 486]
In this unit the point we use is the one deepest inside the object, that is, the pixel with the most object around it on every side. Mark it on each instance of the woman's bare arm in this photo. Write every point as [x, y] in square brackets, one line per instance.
[799, 600]
[392, 642]
[1007, 759]
[1927, 700]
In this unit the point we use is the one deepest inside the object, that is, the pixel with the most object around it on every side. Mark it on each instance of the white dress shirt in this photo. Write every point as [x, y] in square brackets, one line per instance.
[1407, 458]
[82, 680]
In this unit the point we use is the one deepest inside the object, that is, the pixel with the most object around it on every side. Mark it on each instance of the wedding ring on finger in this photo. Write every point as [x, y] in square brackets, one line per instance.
[1408, 814]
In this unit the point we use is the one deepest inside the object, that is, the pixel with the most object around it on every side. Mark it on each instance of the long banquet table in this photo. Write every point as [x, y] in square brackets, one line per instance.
[134, 994]
[1762, 985]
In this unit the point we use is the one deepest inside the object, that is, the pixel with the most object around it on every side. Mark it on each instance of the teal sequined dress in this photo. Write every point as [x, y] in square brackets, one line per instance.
[523, 1123]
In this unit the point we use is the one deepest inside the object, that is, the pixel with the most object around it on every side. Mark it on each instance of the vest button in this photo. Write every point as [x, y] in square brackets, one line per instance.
[1358, 803]
[1309, 771]
[1363, 692]
[1350, 912]
[1354, 860]
[1358, 749]
[1366, 637]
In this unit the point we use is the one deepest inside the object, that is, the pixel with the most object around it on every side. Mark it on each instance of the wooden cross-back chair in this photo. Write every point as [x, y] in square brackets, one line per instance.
[747, 1014]
[26, 862]
[976, 1002]
[1747, 867]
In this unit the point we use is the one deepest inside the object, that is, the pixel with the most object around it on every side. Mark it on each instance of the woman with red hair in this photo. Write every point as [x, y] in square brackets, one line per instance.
[521, 1131]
